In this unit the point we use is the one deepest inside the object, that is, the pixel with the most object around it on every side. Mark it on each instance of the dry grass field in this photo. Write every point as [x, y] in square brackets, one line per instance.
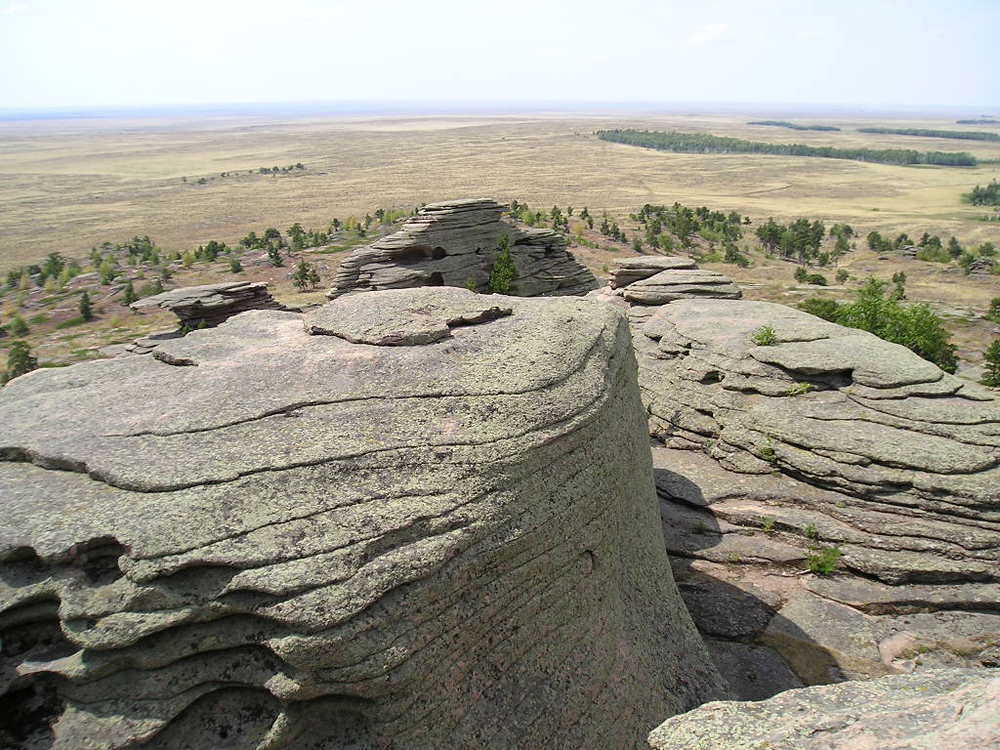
[66, 185]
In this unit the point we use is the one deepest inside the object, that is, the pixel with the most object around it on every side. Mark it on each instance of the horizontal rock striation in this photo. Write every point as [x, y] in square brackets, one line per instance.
[266, 535]
[954, 708]
[454, 243]
[830, 451]
[210, 304]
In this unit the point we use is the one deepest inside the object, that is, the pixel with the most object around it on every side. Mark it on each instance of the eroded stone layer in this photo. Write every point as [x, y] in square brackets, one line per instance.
[262, 537]
[454, 243]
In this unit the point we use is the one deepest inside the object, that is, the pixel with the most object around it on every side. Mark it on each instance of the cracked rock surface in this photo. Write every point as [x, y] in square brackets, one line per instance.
[263, 538]
[954, 708]
[831, 441]
[454, 243]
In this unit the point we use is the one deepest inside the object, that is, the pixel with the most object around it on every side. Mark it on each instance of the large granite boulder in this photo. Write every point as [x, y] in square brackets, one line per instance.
[843, 491]
[430, 526]
[947, 709]
[210, 304]
[454, 243]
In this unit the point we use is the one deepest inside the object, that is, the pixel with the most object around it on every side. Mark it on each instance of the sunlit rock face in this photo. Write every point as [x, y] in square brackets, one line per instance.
[454, 243]
[413, 519]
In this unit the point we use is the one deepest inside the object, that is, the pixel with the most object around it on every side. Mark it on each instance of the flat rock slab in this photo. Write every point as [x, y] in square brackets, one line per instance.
[677, 284]
[626, 271]
[404, 318]
[929, 711]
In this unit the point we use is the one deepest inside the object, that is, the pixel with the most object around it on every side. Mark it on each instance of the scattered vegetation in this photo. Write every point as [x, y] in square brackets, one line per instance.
[991, 365]
[984, 196]
[764, 336]
[19, 361]
[504, 271]
[800, 389]
[305, 276]
[963, 135]
[824, 561]
[703, 143]
[767, 525]
[792, 125]
[914, 326]
[981, 121]
[810, 531]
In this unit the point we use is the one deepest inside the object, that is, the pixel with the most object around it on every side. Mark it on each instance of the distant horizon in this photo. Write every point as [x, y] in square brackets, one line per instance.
[486, 107]
[884, 56]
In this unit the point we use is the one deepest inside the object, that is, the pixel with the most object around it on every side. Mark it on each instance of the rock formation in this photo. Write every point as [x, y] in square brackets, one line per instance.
[953, 709]
[454, 243]
[827, 442]
[210, 304]
[659, 279]
[419, 519]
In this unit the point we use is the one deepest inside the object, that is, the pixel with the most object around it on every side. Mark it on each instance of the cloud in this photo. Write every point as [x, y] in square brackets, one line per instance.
[712, 32]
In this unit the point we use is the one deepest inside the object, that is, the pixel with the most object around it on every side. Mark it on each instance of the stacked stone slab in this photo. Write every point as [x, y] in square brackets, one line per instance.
[454, 243]
[210, 304]
[780, 449]
[418, 519]
[658, 279]
[955, 708]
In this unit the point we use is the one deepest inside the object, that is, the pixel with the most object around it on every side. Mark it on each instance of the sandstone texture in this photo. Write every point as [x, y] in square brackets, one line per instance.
[454, 243]
[210, 304]
[957, 709]
[829, 443]
[432, 527]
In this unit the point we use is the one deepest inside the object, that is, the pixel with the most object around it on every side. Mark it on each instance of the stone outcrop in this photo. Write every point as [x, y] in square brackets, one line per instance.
[651, 280]
[454, 243]
[829, 450]
[266, 535]
[955, 708]
[210, 304]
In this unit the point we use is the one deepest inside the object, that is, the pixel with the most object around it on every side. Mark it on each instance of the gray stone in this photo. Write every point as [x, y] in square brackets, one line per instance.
[754, 673]
[454, 243]
[294, 540]
[625, 271]
[954, 708]
[210, 304]
[685, 283]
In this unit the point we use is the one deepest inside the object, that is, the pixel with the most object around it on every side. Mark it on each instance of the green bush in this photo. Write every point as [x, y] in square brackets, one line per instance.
[824, 561]
[817, 279]
[19, 361]
[764, 336]
[504, 271]
[914, 326]
[934, 255]
[821, 307]
[992, 364]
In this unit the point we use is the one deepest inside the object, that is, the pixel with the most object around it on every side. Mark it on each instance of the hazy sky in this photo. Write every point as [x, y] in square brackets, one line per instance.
[71, 53]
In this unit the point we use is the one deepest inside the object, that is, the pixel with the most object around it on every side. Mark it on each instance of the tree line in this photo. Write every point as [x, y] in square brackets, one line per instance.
[981, 121]
[792, 125]
[703, 143]
[984, 196]
[963, 135]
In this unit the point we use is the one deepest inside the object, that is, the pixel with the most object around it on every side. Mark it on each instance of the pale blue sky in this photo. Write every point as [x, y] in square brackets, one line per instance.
[876, 53]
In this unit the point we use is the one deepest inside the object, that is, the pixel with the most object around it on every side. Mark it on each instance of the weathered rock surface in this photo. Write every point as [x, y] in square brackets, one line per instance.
[829, 441]
[836, 407]
[454, 243]
[956, 708]
[684, 283]
[263, 538]
[210, 304]
[629, 270]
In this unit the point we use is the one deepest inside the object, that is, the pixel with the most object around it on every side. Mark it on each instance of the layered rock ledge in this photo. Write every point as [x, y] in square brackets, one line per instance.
[834, 490]
[210, 304]
[454, 243]
[443, 535]
[955, 708]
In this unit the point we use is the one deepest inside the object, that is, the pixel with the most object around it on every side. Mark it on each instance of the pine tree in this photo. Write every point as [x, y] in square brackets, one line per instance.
[86, 311]
[504, 271]
[129, 296]
[992, 364]
[274, 255]
[304, 275]
[234, 264]
[17, 326]
[19, 361]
